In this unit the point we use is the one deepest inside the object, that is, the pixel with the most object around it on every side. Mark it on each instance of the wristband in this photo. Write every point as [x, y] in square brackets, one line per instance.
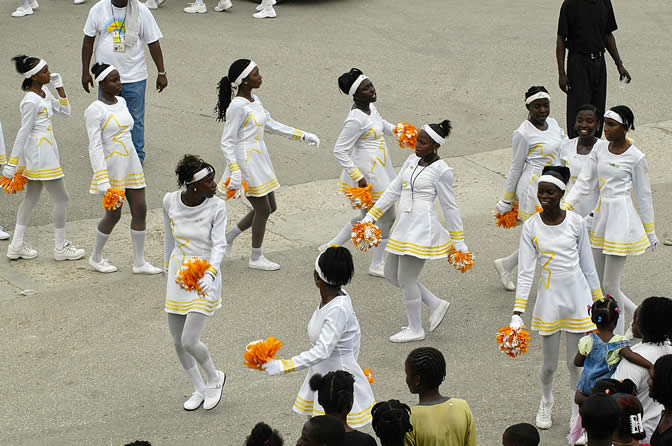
[161, 73]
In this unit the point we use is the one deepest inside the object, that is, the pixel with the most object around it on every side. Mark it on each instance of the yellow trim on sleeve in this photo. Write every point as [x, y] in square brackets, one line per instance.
[509, 195]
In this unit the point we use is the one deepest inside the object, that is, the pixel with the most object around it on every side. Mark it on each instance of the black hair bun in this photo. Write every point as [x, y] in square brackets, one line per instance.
[98, 68]
[346, 80]
[315, 382]
[445, 127]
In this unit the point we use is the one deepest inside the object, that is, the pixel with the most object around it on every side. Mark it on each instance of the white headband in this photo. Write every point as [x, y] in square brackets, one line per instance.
[36, 69]
[101, 77]
[246, 72]
[432, 134]
[355, 85]
[319, 271]
[553, 180]
[204, 172]
[615, 116]
[534, 97]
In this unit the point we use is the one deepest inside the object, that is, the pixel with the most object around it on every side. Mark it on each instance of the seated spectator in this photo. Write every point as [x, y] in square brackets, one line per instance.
[654, 323]
[335, 393]
[391, 422]
[599, 416]
[630, 428]
[263, 435]
[437, 420]
[322, 430]
[522, 434]
[660, 389]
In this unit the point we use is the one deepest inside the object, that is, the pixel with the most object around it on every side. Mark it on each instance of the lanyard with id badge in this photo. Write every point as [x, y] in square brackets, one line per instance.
[406, 205]
[119, 37]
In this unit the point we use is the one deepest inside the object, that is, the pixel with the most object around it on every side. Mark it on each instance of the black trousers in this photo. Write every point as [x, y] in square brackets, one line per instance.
[587, 85]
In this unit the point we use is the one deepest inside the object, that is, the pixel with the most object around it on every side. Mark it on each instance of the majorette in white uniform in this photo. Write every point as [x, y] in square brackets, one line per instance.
[533, 149]
[335, 336]
[417, 230]
[569, 157]
[193, 232]
[113, 156]
[617, 228]
[568, 283]
[244, 147]
[369, 158]
[35, 143]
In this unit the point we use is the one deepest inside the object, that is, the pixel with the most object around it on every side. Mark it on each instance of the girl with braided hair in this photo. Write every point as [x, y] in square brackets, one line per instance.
[391, 422]
[263, 435]
[437, 419]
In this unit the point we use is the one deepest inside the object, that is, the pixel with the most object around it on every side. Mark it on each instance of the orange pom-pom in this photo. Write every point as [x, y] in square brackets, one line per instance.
[407, 135]
[513, 342]
[113, 199]
[188, 277]
[369, 375]
[230, 193]
[366, 235]
[509, 219]
[13, 185]
[259, 352]
[538, 208]
[462, 261]
[360, 197]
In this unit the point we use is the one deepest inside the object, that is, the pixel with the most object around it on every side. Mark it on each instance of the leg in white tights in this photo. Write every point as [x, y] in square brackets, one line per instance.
[551, 350]
[59, 196]
[611, 285]
[511, 261]
[25, 211]
[186, 333]
[574, 371]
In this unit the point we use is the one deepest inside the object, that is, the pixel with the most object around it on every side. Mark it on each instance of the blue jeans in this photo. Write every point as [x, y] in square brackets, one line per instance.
[134, 94]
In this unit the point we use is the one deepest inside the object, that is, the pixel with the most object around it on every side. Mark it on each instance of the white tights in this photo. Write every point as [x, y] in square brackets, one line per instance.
[551, 350]
[610, 270]
[403, 272]
[511, 261]
[186, 333]
[59, 197]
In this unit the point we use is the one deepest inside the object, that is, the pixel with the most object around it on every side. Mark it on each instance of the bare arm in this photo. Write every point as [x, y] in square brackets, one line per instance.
[560, 48]
[613, 52]
[87, 52]
[157, 56]
[579, 359]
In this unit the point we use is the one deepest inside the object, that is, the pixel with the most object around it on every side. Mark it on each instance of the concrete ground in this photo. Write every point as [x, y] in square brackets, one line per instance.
[87, 358]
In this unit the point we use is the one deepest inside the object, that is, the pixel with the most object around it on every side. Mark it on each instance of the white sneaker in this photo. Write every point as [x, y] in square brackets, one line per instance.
[213, 394]
[223, 5]
[151, 4]
[264, 264]
[78, 2]
[34, 5]
[406, 335]
[147, 268]
[3, 234]
[543, 420]
[504, 275]
[260, 6]
[22, 252]
[69, 252]
[265, 13]
[195, 8]
[21, 12]
[194, 401]
[436, 316]
[583, 439]
[378, 270]
[103, 266]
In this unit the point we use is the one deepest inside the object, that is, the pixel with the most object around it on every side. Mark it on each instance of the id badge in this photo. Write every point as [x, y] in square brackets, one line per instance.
[116, 36]
[119, 48]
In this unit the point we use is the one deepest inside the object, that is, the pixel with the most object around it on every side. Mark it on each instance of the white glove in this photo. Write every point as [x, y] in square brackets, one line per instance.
[516, 322]
[653, 240]
[311, 139]
[461, 246]
[9, 171]
[503, 207]
[273, 367]
[207, 285]
[236, 180]
[56, 80]
[368, 219]
[589, 221]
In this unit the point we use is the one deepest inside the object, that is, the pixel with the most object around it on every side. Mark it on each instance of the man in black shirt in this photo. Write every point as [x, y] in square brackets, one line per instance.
[585, 29]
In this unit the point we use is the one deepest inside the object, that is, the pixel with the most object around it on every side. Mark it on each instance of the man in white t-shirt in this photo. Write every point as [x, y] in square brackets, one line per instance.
[652, 322]
[118, 28]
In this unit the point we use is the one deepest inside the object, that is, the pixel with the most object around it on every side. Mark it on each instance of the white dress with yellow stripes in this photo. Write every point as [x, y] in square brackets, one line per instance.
[533, 149]
[617, 227]
[417, 231]
[111, 151]
[193, 232]
[335, 336]
[568, 283]
[362, 152]
[244, 147]
[35, 143]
